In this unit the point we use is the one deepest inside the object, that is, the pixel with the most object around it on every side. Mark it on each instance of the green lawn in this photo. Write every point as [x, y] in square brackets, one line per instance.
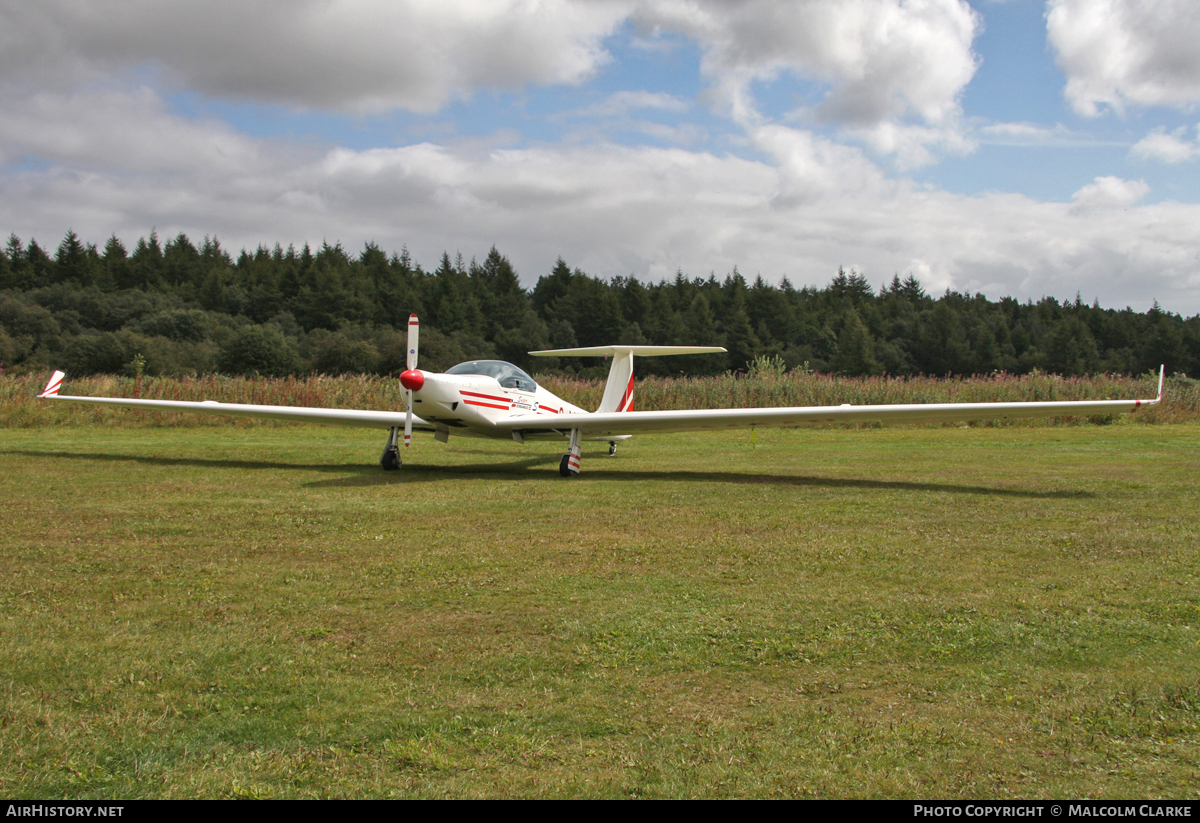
[925, 612]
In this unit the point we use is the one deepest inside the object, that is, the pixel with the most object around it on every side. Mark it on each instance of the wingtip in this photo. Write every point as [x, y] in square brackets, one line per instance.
[54, 385]
[1162, 372]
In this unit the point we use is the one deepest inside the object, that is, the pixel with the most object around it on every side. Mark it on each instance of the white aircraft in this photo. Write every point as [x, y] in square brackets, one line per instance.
[492, 398]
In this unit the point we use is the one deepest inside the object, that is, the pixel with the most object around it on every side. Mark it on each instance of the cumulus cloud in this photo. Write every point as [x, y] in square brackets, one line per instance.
[1110, 193]
[806, 206]
[119, 131]
[89, 143]
[882, 59]
[363, 55]
[1120, 52]
[1169, 148]
[892, 70]
[913, 146]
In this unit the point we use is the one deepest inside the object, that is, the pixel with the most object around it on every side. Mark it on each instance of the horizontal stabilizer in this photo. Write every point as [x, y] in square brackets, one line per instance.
[618, 389]
[640, 351]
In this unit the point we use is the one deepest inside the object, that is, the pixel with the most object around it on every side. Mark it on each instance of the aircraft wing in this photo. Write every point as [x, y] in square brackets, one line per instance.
[298, 414]
[645, 422]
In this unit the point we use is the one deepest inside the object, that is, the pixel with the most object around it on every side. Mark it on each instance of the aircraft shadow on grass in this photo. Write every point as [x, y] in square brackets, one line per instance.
[369, 475]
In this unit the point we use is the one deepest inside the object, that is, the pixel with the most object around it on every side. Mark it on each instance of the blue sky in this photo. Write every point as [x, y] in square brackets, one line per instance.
[1015, 148]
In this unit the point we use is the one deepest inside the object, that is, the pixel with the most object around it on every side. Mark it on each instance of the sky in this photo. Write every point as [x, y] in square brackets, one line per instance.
[1016, 148]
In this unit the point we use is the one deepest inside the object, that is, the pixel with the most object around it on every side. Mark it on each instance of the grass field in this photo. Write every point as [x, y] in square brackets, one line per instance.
[924, 612]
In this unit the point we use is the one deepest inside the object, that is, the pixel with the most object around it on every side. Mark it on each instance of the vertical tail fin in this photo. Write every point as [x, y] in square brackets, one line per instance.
[618, 391]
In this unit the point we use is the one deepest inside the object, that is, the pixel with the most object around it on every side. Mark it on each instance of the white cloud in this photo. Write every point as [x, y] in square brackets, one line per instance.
[809, 206]
[616, 114]
[621, 103]
[1019, 132]
[1120, 52]
[118, 131]
[1110, 192]
[363, 55]
[89, 143]
[894, 69]
[883, 59]
[1030, 134]
[1169, 148]
[912, 145]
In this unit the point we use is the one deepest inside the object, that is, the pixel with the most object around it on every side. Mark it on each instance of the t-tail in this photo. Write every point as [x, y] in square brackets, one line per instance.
[618, 390]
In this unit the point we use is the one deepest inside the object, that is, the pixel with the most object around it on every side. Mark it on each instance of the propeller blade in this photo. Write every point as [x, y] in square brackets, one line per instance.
[411, 378]
[414, 329]
[408, 421]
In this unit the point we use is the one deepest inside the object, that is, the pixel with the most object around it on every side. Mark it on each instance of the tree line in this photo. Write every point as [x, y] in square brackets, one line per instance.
[180, 308]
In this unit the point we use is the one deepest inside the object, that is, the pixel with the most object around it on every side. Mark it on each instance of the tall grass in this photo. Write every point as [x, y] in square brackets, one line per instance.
[20, 408]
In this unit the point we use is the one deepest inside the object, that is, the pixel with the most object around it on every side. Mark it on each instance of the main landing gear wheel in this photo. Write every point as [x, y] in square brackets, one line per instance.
[612, 448]
[390, 459]
[563, 469]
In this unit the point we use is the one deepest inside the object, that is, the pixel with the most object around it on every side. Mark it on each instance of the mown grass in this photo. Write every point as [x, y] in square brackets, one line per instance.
[908, 612]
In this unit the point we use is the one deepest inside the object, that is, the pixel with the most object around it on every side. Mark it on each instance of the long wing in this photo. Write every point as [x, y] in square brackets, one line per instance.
[644, 422]
[299, 414]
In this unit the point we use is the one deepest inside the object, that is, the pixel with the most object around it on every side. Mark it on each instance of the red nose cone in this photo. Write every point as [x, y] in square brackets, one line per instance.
[412, 380]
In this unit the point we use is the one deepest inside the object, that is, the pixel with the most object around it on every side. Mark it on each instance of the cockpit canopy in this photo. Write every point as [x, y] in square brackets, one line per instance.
[506, 374]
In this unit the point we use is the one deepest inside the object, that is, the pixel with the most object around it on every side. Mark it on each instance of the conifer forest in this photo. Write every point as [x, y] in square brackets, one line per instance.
[178, 308]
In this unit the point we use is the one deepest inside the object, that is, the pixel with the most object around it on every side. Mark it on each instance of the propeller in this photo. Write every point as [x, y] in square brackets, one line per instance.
[411, 379]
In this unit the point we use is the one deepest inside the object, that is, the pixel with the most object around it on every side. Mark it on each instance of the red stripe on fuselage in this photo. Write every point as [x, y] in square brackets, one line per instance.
[485, 405]
[491, 397]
